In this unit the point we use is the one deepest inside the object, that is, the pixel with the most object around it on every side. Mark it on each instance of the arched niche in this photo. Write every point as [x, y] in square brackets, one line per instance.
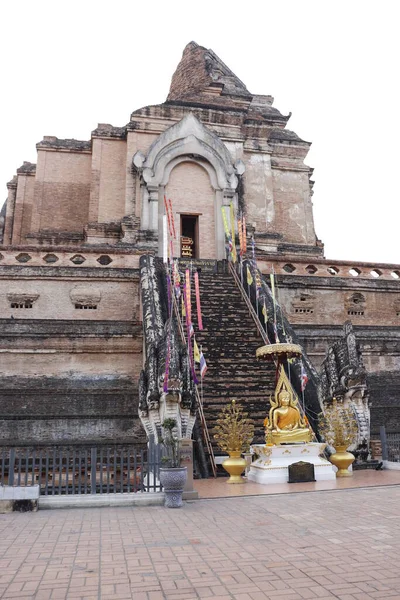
[186, 142]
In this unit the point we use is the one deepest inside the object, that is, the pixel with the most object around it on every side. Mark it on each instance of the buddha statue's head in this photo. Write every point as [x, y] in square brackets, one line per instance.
[284, 398]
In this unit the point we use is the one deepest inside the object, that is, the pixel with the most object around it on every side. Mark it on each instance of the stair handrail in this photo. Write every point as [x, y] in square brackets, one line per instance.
[196, 391]
[259, 326]
[246, 298]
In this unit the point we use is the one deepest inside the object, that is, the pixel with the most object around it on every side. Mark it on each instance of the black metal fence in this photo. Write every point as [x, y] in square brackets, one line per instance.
[66, 470]
[390, 445]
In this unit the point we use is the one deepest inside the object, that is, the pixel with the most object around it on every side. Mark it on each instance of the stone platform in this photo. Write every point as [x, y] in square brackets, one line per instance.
[272, 463]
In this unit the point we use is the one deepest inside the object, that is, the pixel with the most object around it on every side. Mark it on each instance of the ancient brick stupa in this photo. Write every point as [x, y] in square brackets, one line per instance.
[77, 222]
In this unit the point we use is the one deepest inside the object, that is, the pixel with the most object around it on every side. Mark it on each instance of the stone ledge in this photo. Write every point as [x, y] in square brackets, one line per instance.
[9, 492]
[97, 500]
[19, 499]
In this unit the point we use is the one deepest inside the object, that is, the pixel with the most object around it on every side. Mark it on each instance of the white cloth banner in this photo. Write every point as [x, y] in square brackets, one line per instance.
[165, 239]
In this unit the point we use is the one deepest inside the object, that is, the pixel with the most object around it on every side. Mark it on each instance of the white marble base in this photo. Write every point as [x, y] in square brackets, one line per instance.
[272, 462]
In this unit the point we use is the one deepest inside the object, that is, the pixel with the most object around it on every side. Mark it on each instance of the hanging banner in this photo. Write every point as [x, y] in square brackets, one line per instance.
[258, 284]
[274, 303]
[169, 294]
[197, 290]
[165, 239]
[240, 232]
[273, 290]
[203, 365]
[172, 218]
[196, 351]
[188, 334]
[177, 280]
[168, 214]
[188, 303]
[225, 221]
[249, 276]
[167, 360]
[168, 356]
[265, 313]
[244, 234]
[233, 233]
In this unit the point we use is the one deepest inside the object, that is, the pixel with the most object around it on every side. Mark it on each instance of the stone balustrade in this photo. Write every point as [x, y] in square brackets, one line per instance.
[326, 268]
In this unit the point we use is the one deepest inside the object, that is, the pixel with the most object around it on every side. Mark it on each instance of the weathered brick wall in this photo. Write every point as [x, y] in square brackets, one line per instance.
[259, 198]
[293, 213]
[36, 410]
[329, 299]
[62, 191]
[115, 300]
[67, 381]
[107, 194]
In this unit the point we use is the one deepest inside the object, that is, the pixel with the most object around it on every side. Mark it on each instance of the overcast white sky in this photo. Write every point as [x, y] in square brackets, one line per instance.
[66, 66]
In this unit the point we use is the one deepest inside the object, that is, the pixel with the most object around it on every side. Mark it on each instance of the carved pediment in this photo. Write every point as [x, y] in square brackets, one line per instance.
[22, 299]
[188, 138]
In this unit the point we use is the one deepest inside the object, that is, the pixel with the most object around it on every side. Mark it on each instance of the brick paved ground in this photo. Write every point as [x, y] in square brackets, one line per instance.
[335, 544]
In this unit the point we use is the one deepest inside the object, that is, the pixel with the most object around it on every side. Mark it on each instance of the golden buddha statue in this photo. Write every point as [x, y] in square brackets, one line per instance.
[285, 424]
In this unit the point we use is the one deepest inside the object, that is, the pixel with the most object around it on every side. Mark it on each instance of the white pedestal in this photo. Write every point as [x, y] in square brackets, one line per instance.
[272, 463]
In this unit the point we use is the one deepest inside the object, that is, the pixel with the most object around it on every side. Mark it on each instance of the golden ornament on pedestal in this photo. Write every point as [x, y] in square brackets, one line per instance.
[234, 433]
[342, 460]
[339, 427]
[235, 465]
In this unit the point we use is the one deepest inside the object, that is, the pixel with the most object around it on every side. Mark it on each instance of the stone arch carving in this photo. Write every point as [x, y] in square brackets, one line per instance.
[187, 140]
[188, 137]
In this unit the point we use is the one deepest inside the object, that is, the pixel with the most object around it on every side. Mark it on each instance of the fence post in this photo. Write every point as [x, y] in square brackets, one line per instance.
[385, 450]
[93, 465]
[11, 467]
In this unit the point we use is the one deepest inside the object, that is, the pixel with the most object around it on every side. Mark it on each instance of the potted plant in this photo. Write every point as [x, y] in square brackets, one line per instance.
[172, 475]
[339, 427]
[234, 433]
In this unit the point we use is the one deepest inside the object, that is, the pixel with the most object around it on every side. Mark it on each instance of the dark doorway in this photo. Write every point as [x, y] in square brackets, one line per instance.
[189, 236]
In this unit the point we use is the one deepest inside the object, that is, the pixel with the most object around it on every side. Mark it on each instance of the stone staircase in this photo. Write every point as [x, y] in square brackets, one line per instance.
[229, 342]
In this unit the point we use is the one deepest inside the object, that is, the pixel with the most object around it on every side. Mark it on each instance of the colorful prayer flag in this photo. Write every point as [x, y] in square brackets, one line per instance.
[258, 284]
[265, 313]
[240, 232]
[168, 215]
[188, 306]
[225, 221]
[197, 290]
[249, 276]
[177, 280]
[203, 365]
[172, 218]
[244, 234]
[196, 351]
[304, 378]
[233, 233]
[165, 239]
